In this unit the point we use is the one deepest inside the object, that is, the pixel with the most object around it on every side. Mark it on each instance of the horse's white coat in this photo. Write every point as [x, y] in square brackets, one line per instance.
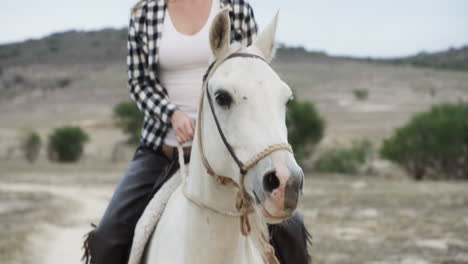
[187, 233]
[150, 218]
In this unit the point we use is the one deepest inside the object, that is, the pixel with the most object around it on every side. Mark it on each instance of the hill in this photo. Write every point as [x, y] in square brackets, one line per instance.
[109, 46]
[66, 48]
[77, 77]
[452, 59]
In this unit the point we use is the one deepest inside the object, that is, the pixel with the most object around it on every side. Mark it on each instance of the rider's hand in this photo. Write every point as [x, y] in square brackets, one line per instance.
[183, 126]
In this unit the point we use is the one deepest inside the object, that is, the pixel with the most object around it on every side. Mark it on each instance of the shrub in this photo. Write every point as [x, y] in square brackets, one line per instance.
[63, 82]
[305, 128]
[345, 160]
[432, 92]
[129, 118]
[31, 145]
[361, 94]
[66, 144]
[18, 79]
[433, 143]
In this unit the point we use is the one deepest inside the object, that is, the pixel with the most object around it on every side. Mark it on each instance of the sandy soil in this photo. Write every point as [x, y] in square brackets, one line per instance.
[60, 241]
[352, 219]
[372, 220]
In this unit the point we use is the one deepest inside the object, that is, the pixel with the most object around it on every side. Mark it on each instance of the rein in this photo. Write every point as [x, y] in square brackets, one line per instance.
[244, 202]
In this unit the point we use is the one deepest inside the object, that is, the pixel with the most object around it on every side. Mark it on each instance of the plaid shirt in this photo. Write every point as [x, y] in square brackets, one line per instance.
[145, 31]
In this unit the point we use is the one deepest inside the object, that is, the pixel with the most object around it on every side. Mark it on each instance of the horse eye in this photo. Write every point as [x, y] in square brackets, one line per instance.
[223, 98]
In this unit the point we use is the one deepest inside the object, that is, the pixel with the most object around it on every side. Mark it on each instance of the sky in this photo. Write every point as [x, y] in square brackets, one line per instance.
[360, 28]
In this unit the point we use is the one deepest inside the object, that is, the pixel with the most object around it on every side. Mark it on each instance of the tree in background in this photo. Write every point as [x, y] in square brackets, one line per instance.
[31, 145]
[361, 94]
[347, 160]
[129, 118]
[433, 144]
[305, 128]
[66, 144]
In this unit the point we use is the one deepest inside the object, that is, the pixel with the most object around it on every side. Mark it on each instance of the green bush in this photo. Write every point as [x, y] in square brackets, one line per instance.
[31, 146]
[66, 144]
[361, 94]
[63, 82]
[345, 160]
[129, 118]
[18, 79]
[433, 144]
[305, 128]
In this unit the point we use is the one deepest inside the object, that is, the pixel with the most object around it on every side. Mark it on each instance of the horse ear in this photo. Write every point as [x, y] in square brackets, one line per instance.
[220, 33]
[265, 42]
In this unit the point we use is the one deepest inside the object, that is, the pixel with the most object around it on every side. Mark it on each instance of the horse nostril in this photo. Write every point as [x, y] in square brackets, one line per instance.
[270, 181]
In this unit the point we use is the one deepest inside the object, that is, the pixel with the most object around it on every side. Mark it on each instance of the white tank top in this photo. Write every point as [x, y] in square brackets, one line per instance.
[183, 59]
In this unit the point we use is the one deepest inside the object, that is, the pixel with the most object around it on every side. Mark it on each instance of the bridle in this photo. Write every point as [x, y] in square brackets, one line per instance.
[243, 167]
[244, 204]
[244, 200]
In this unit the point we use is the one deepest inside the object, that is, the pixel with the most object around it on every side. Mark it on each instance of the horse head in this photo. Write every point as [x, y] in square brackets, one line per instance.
[249, 101]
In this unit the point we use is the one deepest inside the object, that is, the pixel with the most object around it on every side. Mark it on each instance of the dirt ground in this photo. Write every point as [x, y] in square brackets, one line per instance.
[374, 220]
[46, 215]
[358, 219]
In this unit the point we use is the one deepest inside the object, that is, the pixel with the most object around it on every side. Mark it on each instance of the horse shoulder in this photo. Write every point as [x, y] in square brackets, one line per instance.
[166, 243]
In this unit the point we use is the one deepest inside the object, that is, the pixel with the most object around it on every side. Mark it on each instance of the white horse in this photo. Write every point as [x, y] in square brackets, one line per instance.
[206, 221]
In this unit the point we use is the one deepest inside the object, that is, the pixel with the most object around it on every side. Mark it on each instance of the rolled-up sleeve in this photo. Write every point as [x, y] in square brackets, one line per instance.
[150, 97]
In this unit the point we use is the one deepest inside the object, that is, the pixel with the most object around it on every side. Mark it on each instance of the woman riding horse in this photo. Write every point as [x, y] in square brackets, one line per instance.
[168, 53]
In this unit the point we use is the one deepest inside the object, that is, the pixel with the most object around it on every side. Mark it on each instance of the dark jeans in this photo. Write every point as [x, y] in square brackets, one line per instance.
[110, 241]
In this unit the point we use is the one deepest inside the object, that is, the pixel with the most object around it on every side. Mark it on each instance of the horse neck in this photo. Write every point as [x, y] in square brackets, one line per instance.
[205, 188]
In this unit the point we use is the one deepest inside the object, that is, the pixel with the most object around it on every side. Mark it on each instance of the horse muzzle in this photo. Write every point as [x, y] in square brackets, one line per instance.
[281, 188]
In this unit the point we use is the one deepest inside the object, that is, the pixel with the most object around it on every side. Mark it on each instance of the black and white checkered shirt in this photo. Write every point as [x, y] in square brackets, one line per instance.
[145, 31]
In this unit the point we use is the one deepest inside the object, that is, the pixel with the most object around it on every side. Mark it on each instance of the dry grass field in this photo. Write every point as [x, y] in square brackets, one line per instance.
[45, 208]
[369, 220]
[360, 219]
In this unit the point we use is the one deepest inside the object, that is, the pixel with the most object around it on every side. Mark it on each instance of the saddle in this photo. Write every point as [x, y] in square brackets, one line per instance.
[150, 218]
